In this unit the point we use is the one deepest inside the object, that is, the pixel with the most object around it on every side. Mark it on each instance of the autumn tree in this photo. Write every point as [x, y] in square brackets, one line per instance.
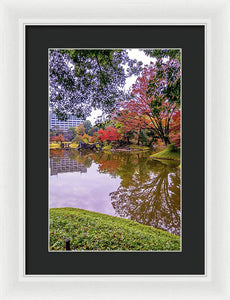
[108, 134]
[156, 96]
[129, 123]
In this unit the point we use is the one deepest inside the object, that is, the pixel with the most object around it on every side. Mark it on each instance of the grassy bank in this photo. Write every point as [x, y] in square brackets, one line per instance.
[94, 231]
[171, 152]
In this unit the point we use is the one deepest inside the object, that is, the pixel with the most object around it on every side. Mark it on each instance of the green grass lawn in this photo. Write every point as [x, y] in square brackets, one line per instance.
[95, 231]
[168, 153]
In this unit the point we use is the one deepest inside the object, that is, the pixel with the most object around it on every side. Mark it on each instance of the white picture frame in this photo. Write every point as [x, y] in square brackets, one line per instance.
[215, 15]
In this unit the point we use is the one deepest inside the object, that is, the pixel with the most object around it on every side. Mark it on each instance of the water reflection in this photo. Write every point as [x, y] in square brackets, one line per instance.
[148, 191]
[152, 197]
[65, 165]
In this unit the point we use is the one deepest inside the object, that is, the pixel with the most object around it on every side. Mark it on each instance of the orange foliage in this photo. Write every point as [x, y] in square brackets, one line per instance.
[175, 129]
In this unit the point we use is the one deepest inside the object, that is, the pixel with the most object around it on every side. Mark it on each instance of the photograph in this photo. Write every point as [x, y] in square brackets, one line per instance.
[115, 153]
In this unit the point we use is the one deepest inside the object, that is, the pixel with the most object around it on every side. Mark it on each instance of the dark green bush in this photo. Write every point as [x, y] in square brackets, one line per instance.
[172, 147]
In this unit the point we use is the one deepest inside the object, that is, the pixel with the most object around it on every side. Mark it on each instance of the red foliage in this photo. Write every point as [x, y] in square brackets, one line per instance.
[175, 129]
[131, 121]
[109, 134]
[151, 107]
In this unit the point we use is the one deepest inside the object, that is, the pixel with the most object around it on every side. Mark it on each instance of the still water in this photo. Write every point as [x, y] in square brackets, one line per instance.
[130, 185]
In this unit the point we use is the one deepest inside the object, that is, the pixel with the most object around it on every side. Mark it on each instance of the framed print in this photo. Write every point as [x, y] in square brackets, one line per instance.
[114, 189]
[201, 266]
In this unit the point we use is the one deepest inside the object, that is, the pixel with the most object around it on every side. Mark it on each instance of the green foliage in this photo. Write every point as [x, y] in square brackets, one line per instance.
[162, 53]
[143, 137]
[108, 147]
[73, 145]
[105, 124]
[72, 133]
[172, 148]
[78, 139]
[82, 79]
[80, 129]
[87, 124]
[93, 130]
[94, 231]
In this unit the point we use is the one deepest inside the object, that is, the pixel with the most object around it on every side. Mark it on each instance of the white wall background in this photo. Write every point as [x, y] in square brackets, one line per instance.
[214, 12]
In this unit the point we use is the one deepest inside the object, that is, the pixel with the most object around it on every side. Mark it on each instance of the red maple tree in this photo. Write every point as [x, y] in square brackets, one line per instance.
[108, 134]
[156, 97]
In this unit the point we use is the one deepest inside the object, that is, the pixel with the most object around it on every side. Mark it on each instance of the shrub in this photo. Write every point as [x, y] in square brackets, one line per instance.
[73, 145]
[172, 147]
[77, 139]
[108, 147]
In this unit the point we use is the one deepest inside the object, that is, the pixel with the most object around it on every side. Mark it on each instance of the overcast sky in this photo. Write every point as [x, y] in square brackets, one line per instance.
[133, 54]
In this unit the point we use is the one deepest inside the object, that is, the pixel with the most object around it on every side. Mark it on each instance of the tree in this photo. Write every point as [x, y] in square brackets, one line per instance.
[80, 80]
[93, 130]
[109, 134]
[156, 96]
[142, 137]
[80, 129]
[71, 133]
[87, 124]
[129, 123]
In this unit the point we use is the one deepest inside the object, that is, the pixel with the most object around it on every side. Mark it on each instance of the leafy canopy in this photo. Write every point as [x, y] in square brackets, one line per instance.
[164, 53]
[82, 80]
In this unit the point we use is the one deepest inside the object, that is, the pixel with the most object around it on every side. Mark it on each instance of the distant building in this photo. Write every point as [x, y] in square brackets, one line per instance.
[63, 125]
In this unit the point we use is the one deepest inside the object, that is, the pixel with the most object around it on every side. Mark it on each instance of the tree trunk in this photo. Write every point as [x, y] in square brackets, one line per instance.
[166, 140]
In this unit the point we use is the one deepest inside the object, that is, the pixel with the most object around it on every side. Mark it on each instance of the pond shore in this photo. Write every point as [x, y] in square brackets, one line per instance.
[165, 154]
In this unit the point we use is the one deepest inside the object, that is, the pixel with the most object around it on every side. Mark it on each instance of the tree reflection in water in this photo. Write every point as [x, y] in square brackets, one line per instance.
[152, 196]
[149, 192]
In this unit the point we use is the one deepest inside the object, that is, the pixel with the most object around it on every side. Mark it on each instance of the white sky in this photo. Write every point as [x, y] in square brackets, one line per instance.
[133, 54]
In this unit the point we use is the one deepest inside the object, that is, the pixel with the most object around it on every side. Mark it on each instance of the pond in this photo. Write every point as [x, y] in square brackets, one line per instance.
[130, 185]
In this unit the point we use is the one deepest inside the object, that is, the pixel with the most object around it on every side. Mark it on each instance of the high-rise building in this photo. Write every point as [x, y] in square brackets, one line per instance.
[63, 125]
